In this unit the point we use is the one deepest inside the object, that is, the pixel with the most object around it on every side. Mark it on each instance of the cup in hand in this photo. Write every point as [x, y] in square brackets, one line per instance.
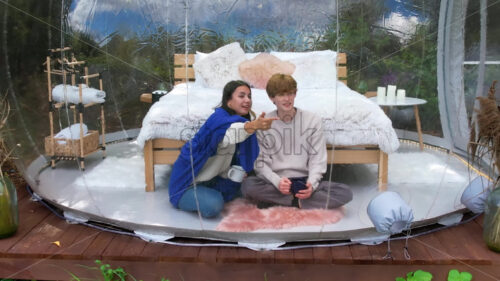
[298, 183]
[236, 173]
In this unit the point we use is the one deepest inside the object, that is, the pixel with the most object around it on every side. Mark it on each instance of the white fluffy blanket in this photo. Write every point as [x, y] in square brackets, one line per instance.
[72, 132]
[70, 94]
[348, 117]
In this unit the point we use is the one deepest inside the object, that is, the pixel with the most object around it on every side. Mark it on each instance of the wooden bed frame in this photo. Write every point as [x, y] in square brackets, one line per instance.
[166, 151]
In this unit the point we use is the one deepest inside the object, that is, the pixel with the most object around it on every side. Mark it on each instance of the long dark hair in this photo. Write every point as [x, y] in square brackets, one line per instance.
[227, 94]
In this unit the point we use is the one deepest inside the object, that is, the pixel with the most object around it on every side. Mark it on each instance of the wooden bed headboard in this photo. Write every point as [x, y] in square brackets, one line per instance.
[180, 71]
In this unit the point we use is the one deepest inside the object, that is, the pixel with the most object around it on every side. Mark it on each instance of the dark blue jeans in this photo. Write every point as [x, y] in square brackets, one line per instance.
[211, 196]
[210, 201]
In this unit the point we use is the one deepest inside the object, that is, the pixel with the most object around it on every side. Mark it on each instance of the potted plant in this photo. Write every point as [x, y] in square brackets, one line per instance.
[488, 142]
[9, 219]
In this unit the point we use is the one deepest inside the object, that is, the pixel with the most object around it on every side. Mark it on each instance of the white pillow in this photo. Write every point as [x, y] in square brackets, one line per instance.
[295, 55]
[200, 55]
[315, 70]
[220, 66]
[198, 82]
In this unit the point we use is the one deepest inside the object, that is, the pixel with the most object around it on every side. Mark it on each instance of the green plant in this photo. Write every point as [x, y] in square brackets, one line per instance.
[111, 274]
[108, 273]
[9, 218]
[455, 275]
[4, 114]
[418, 275]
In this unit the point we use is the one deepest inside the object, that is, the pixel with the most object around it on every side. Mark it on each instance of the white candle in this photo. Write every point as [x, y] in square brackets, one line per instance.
[391, 93]
[380, 94]
[401, 95]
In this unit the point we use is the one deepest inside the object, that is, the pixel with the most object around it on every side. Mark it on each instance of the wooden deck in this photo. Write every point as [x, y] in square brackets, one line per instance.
[30, 254]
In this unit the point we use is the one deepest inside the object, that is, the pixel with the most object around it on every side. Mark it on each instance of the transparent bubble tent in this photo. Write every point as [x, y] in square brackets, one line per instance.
[407, 75]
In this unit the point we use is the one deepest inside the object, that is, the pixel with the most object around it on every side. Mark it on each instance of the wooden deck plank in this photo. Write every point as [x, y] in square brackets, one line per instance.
[360, 254]
[322, 255]
[81, 245]
[418, 252]
[30, 215]
[169, 252]
[66, 238]
[208, 254]
[179, 253]
[84, 237]
[454, 247]
[476, 244]
[436, 250]
[135, 248]
[248, 256]
[284, 256]
[39, 240]
[98, 245]
[241, 272]
[189, 253]
[265, 257]
[475, 248]
[379, 252]
[398, 253]
[227, 255]
[152, 251]
[117, 245]
[303, 256]
[341, 255]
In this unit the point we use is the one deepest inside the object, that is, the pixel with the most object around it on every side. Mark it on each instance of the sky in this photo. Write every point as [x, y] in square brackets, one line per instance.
[233, 17]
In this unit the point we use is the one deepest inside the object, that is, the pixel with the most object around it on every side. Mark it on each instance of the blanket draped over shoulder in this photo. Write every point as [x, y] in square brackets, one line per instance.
[204, 145]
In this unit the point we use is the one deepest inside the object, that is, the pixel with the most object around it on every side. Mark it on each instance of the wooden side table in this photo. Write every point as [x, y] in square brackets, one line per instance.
[415, 102]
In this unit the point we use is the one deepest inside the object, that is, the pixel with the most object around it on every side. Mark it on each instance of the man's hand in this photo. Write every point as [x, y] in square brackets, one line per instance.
[305, 193]
[284, 185]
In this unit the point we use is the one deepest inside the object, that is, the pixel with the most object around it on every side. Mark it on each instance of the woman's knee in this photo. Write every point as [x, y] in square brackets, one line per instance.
[212, 205]
[208, 201]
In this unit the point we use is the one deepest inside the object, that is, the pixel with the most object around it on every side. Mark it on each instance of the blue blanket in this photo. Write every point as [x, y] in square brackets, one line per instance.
[204, 145]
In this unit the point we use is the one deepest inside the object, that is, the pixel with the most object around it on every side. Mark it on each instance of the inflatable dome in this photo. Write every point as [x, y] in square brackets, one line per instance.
[105, 96]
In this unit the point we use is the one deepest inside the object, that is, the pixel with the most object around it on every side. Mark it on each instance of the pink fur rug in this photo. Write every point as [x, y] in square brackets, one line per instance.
[241, 215]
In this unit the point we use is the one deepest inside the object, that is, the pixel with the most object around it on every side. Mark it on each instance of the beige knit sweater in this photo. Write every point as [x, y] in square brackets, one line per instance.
[294, 149]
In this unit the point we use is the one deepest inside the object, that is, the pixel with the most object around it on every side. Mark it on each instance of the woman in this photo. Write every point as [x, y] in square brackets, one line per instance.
[226, 138]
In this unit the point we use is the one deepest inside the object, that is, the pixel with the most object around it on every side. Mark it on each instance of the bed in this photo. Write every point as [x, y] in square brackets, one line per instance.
[357, 130]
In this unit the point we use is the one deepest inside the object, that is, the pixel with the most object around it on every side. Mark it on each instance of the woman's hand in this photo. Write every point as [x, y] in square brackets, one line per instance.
[305, 193]
[284, 185]
[261, 123]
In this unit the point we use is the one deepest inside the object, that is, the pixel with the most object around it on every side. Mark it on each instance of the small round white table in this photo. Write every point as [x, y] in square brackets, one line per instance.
[415, 102]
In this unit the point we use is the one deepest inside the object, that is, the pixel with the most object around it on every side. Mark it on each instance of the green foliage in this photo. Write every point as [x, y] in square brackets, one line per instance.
[455, 275]
[378, 55]
[418, 275]
[110, 274]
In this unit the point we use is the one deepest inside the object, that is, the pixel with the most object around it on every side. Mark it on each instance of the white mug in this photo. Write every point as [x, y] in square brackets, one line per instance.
[236, 173]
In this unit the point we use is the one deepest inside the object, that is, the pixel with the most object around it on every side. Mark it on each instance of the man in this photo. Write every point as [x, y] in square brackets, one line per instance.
[292, 158]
